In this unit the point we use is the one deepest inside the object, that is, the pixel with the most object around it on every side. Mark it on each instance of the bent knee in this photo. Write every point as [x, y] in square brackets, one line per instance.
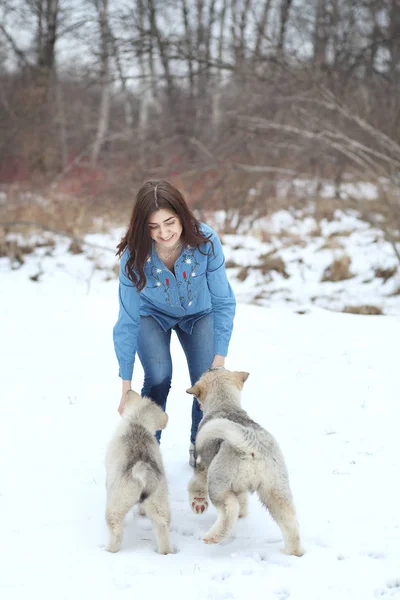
[156, 383]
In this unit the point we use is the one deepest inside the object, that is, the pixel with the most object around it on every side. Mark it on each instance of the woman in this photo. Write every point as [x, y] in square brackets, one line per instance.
[172, 276]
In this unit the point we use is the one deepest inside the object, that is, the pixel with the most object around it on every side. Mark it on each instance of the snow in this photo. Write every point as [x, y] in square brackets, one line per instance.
[324, 383]
[307, 247]
[306, 188]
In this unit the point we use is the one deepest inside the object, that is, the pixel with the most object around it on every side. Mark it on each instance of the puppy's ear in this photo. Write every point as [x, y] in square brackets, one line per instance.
[132, 397]
[197, 390]
[240, 378]
[163, 420]
[243, 375]
[193, 390]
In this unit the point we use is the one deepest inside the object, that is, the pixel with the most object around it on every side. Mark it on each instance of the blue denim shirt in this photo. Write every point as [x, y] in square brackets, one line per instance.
[199, 286]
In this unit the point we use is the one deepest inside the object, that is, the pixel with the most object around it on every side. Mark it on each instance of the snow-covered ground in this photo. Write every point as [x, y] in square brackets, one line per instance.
[326, 384]
[306, 248]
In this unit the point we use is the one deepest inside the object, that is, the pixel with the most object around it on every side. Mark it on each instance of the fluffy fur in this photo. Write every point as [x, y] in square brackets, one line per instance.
[135, 472]
[236, 456]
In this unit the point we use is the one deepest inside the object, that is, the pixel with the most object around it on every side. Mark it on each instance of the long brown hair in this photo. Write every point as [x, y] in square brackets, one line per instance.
[152, 196]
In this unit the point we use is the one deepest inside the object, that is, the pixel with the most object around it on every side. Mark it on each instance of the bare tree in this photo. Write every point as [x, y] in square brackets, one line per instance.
[216, 112]
[188, 47]
[394, 41]
[105, 78]
[261, 27]
[320, 33]
[284, 18]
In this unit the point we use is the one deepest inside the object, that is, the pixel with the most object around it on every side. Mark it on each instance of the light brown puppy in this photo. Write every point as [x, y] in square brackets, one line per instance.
[236, 456]
[135, 472]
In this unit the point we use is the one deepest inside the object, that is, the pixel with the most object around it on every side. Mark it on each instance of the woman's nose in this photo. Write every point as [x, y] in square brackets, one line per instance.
[164, 231]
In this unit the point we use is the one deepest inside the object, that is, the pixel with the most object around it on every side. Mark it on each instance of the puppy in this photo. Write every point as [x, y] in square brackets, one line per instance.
[135, 472]
[235, 456]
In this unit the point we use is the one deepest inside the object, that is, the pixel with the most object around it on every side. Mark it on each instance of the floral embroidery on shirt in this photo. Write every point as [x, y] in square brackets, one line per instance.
[161, 282]
[189, 264]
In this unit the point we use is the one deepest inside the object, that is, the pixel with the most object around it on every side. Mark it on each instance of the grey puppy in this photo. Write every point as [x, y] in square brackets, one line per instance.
[135, 472]
[235, 456]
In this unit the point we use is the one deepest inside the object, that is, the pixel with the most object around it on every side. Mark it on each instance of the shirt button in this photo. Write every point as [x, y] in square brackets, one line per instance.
[182, 298]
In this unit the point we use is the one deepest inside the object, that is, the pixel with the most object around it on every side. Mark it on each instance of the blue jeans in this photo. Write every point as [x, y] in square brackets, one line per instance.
[154, 353]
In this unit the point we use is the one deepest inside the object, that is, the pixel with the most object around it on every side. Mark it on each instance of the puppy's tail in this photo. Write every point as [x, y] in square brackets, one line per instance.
[145, 480]
[241, 438]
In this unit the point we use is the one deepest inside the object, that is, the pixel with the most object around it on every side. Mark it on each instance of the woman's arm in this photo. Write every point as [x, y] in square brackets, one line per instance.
[222, 300]
[126, 386]
[126, 329]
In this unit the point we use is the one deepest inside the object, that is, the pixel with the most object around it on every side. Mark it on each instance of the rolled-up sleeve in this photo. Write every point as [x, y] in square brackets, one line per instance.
[126, 329]
[222, 297]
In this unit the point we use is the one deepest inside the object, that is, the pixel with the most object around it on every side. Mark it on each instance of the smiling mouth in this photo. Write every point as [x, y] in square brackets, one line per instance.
[167, 239]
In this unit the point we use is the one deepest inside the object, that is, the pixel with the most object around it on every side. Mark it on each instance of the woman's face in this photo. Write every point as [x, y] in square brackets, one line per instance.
[165, 228]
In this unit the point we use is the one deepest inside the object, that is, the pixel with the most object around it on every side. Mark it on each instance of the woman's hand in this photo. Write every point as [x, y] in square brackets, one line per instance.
[219, 361]
[126, 386]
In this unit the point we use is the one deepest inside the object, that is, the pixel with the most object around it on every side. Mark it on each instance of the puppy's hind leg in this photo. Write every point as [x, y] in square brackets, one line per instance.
[157, 510]
[198, 493]
[243, 504]
[280, 505]
[119, 502]
[227, 505]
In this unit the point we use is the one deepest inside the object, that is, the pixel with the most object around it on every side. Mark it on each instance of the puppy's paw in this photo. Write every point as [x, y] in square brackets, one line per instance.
[199, 505]
[212, 538]
[113, 547]
[166, 550]
[296, 551]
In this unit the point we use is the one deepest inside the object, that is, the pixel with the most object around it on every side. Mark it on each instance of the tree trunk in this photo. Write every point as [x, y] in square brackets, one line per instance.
[48, 155]
[285, 9]
[261, 29]
[104, 111]
[394, 41]
[188, 47]
[320, 34]
[217, 93]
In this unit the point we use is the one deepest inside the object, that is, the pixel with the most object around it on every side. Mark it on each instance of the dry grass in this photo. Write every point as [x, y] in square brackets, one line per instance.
[54, 210]
[339, 270]
[231, 264]
[363, 309]
[331, 244]
[14, 251]
[269, 263]
[75, 248]
[261, 296]
[343, 233]
[395, 293]
[266, 237]
[315, 231]
[291, 239]
[385, 274]
[243, 273]
[325, 208]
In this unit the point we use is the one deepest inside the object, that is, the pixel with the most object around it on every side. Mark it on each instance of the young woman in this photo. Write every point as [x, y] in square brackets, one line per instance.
[172, 276]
